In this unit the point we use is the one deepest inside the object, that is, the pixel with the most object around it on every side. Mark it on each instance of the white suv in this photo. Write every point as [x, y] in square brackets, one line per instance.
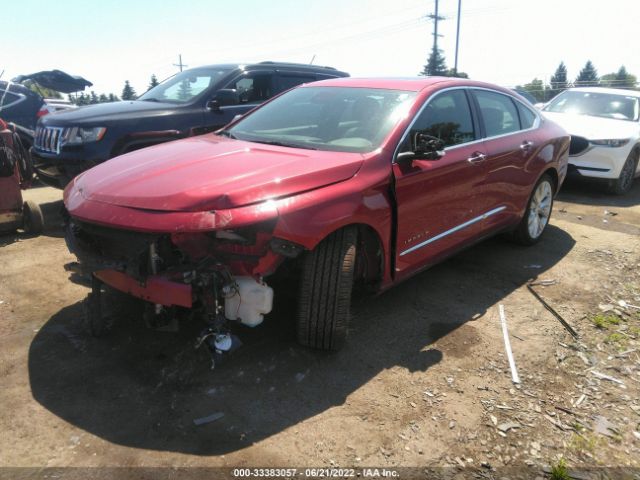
[604, 124]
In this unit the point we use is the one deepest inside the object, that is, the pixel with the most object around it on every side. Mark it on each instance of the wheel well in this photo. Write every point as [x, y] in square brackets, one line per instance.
[370, 257]
[554, 176]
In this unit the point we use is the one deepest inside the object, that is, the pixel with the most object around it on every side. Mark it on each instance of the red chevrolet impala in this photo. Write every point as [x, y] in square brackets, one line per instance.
[341, 182]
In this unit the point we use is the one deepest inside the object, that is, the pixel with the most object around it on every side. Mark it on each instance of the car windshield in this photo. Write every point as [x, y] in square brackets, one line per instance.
[185, 86]
[341, 119]
[596, 104]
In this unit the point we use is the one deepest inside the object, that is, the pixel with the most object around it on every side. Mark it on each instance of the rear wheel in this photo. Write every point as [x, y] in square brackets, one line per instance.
[536, 217]
[32, 219]
[325, 291]
[623, 183]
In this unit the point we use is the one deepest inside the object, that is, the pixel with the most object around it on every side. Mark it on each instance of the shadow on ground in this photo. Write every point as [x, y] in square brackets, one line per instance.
[592, 192]
[143, 388]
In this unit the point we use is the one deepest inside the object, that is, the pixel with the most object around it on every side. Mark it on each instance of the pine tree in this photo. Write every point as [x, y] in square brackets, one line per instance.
[93, 98]
[436, 64]
[128, 93]
[588, 76]
[103, 98]
[154, 82]
[559, 79]
[624, 79]
[184, 92]
[113, 98]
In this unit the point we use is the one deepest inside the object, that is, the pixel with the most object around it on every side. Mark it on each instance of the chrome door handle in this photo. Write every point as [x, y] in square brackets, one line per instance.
[526, 145]
[476, 157]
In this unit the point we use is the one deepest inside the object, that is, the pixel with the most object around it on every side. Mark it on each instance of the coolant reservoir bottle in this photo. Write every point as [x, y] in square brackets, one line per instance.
[250, 303]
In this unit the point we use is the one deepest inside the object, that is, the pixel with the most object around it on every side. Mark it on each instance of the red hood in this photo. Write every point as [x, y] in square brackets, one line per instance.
[211, 172]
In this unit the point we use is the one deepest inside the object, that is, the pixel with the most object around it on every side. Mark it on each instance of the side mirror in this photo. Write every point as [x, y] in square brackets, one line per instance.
[223, 98]
[424, 147]
[427, 147]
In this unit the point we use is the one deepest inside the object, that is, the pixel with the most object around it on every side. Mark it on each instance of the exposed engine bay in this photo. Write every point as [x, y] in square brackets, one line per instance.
[217, 276]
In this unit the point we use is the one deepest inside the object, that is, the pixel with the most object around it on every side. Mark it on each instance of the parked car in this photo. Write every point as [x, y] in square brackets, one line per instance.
[193, 102]
[23, 107]
[604, 124]
[345, 181]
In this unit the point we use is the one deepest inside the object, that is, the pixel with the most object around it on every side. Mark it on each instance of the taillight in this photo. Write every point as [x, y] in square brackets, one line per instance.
[42, 112]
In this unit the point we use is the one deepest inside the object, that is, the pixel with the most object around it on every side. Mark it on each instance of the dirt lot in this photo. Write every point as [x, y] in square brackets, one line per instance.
[424, 380]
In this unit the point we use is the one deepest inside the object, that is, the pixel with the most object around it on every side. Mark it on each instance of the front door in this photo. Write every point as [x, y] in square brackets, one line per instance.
[436, 199]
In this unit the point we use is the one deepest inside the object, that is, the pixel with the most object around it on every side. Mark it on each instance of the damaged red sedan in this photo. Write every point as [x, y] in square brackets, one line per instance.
[342, 183]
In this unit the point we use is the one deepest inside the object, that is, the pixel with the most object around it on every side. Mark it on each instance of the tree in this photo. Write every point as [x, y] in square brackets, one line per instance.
[93, 98]
[113, 98]
[184, 92]
[436, 64]
[154, 82]
[40, 90]
[559, 79]
[535, 87]
[128, 93]
[620, 79]
[588, 76]
[103, 98]
[452, 73]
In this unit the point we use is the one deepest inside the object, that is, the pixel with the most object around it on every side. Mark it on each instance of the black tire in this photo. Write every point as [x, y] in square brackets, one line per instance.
[522, 234]
[623, 183]
[324, 301]
[32, 219]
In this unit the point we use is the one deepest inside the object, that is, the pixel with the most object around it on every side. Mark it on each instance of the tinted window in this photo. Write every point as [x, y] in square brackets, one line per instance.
[498, 112]
[527, 117]
[447, 117]
[7, 98]
[290, 81]
[253, 88]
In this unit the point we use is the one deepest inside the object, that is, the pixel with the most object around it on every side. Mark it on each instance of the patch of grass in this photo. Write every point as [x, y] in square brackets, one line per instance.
[616, 338]
[580, 443]
[603, 321]
[635, 331]
[559, 470]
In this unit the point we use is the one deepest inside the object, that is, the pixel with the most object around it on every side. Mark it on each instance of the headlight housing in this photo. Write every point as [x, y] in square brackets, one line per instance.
[80, 135]
[610, 142]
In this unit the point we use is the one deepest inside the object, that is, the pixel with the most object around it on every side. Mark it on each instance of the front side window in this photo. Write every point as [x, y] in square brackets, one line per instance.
[185, 86]
[596, 104]
[253, 88]
[447, 117]
[341, 119]
[498, 113]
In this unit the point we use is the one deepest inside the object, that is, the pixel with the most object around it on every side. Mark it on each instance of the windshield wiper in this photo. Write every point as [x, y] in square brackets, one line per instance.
[227, 133]
[283, 144]
[150, 100]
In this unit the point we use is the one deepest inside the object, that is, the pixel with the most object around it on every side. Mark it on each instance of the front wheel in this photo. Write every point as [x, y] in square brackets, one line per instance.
[536, 217]
[324, 301]
[623, 183]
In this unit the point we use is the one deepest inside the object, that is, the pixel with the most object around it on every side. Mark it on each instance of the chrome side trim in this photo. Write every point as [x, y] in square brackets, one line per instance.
[453, 230]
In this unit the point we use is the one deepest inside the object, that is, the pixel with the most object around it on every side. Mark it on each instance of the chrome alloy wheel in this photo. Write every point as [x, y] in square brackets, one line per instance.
[540, 209]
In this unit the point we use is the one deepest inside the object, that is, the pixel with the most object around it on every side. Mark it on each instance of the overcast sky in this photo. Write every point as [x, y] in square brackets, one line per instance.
[507, 42]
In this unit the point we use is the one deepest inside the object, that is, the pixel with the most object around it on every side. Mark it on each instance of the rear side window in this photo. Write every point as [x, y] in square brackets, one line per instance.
[447, 116]
[290, 81]
[527, 117]
[498, 112]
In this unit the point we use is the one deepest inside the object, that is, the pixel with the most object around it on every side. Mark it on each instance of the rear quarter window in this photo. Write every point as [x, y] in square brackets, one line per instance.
[527, 117]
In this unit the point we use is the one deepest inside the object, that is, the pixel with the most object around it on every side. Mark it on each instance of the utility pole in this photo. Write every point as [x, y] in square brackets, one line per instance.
[180, 64]
[455, 63]
[435, 17]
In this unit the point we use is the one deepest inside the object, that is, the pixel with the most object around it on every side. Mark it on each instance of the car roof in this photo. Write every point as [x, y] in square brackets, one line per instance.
[614, 91]
[277, 65]
[413, 84]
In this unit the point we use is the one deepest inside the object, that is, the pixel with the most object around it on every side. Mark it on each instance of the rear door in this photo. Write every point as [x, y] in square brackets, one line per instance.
[437, 199]
[510, 141]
